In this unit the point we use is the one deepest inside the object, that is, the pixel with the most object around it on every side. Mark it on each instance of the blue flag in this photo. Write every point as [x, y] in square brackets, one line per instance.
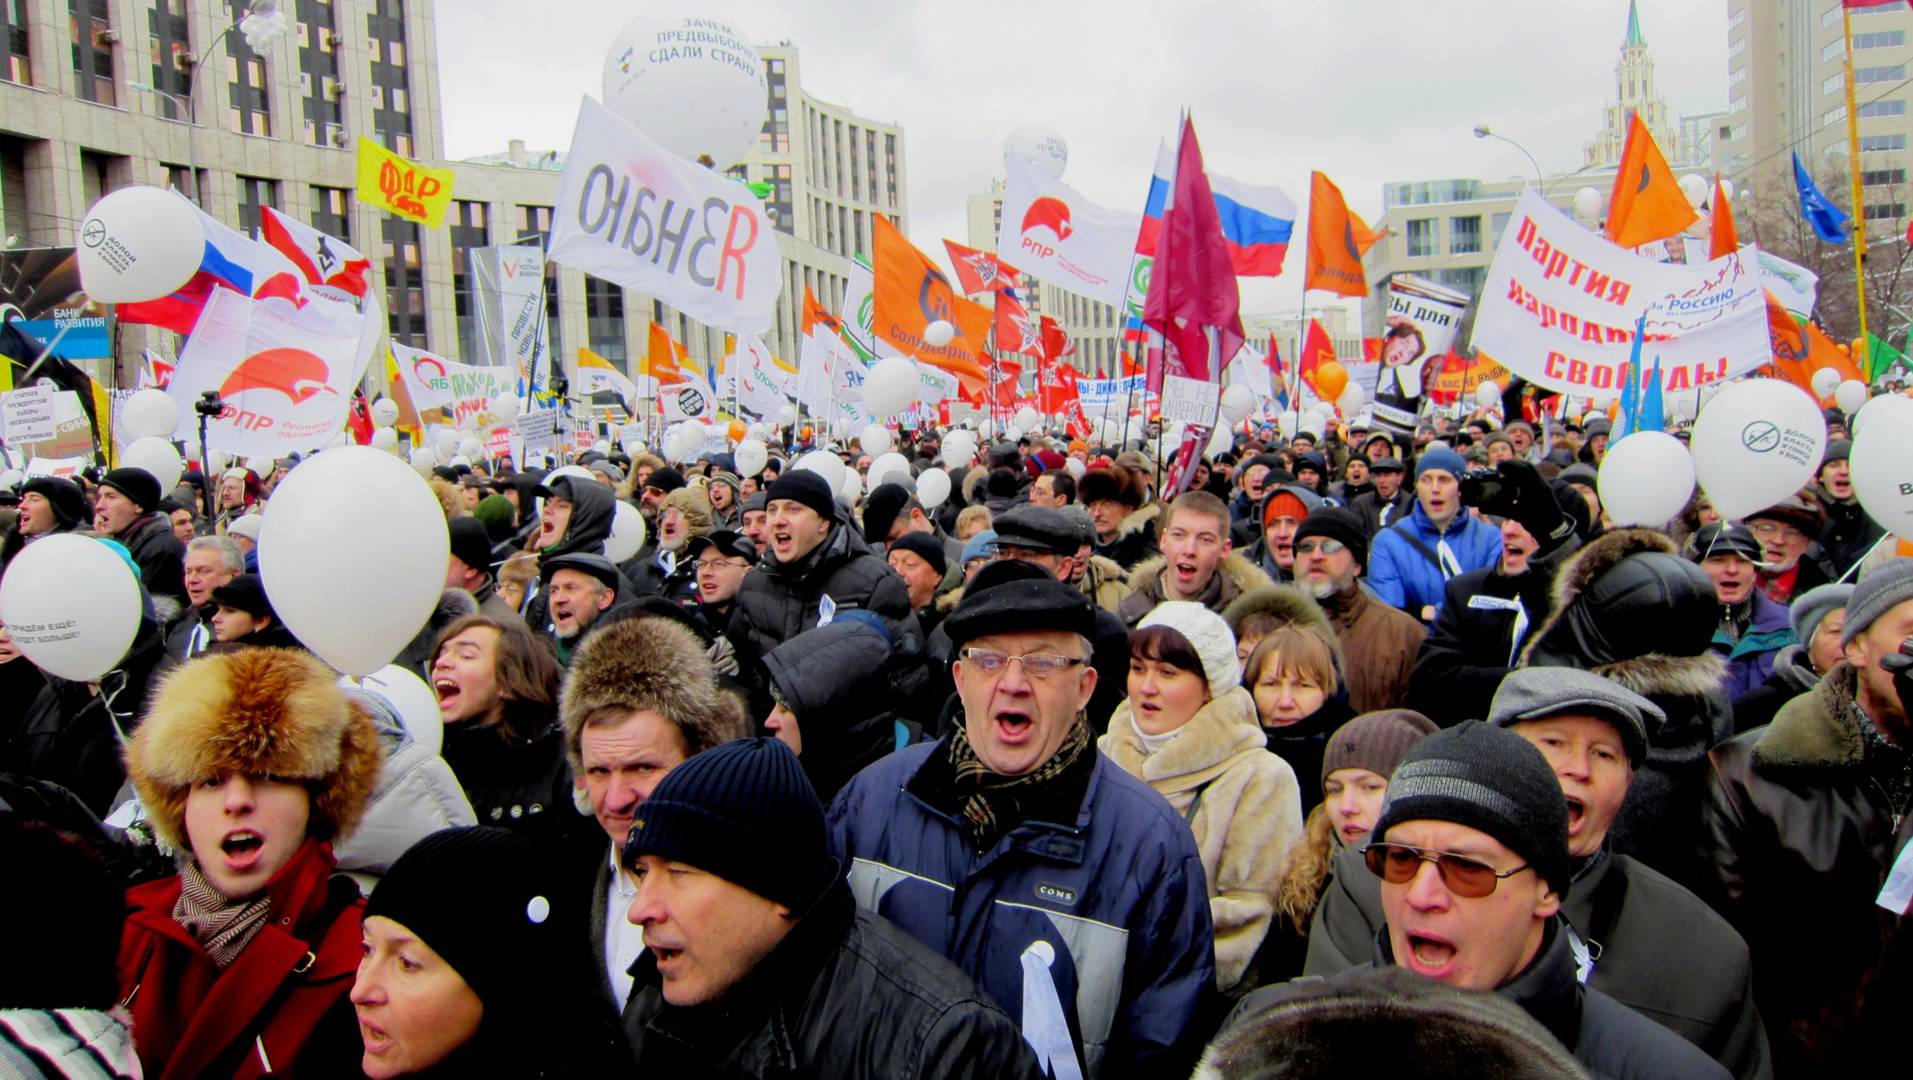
[1631, 392]
[1828, 221]
[1653, 416]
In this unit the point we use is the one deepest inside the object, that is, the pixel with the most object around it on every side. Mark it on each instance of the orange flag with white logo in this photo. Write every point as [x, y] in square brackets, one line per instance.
[1647, 204]
[1338, 238]
[909, 293]
[1726, 238]
[660, 358]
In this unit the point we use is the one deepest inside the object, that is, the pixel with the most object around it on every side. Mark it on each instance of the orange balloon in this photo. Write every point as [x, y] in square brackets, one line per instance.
[737, 430]
[1330, 380]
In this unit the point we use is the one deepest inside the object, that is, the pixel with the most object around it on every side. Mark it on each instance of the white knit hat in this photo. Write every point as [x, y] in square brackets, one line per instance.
[1207, 634]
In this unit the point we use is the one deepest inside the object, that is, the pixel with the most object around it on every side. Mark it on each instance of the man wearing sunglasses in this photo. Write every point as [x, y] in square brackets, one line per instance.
[1063, 885]
[1379, 641]
[1473, 856]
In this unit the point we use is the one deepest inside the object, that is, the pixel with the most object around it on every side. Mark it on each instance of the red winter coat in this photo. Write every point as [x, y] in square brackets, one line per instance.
[190, 1019]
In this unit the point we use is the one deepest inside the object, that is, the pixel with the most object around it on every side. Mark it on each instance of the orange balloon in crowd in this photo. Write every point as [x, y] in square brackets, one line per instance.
[737, 430]
[1330, 380]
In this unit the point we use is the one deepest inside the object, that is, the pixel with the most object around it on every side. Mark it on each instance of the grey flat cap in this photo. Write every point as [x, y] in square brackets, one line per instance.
[1537, 692]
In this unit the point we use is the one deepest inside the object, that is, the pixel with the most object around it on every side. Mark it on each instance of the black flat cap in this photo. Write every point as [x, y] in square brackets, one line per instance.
[1040, 528]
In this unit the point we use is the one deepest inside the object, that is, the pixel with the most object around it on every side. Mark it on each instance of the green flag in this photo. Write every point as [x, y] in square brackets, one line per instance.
[1881, 358]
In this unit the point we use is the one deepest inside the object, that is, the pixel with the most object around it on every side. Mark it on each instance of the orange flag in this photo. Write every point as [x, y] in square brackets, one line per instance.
[814, 314]
[1799, 351]
[1726, 237]
[1647, 204]
[910, 293]
[660, 358]
[1338, 238]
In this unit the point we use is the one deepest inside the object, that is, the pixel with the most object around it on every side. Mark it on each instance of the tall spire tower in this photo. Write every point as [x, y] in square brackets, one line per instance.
[1634, 94]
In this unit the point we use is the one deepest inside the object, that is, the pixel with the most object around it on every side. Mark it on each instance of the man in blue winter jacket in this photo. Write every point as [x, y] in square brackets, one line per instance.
[1411, 561]
[1068, 889]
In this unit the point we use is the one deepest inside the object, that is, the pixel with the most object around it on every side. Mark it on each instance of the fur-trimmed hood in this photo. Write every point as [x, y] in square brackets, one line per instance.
[260, 712]
[1649, 629]
[1286, 604]
[1138, 520]
[1238, 573]
[972, 486]
[649, 663]
[1223, 731]
[691, 501]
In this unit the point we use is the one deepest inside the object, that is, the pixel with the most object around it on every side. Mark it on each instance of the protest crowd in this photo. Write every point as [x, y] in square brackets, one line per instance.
[894, 722]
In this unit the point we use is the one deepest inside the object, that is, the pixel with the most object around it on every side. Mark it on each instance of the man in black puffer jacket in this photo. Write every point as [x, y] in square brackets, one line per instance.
[815, 567]
[128, 511]
[834, 706]
[783, 955]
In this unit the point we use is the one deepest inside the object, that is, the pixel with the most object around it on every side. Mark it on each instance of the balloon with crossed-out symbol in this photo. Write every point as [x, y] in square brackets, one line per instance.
[1761, 436]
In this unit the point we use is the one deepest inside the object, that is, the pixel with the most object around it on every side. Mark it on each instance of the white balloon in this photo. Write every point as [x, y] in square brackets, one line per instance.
[1587, 203]
[12, 479]
[824, 464]
[460, 459]
[751, 456]
[410, 698]
[1075, 467]
[1756, 442]
[786, 415]
[356, 515]
[139, 243]
[939, 333]
[875, 439]
[1695, 187]
[444, 444]
[1312, 424]
[1825, 382]
[1026, 419]
[891, 386]
[1238, 401]
[627, 533]
[1221, 440]
[385, 439]
[1041, 146]
[72, 606]
[505, 407]
[932, 488]
[471, 449]
[1488, 394]
[1645, 479]
[1881, 449]
[1850, 395]
[157, 456]
[339, 438]
[423, 459]
[682, 443]
[851, 486]
[148, 412]
[691, 81]
[385, 412]
[885, 465]
[1352, 400]
[1012, 433]
[601, 446]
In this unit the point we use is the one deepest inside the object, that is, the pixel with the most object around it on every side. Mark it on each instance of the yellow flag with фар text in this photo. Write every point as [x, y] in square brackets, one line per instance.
[401, 186]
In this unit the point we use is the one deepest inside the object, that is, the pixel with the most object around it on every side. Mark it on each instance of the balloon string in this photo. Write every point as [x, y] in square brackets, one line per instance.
[1861, 561]
[106, 702]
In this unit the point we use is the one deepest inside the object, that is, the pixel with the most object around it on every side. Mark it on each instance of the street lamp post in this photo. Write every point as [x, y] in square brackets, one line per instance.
[1482, 132]
[264, 22]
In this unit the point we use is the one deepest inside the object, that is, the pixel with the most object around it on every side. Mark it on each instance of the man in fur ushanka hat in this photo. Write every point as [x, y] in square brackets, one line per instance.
[250, 764]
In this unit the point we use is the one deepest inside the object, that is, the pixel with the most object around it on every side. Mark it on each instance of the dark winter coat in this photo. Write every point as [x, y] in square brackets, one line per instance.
[1629, 609]
[1850, 532]
[160, 556]
[1791, 676]
[1799, 831]
[1118, 895]
[832, 680]
[1135, 538]
[67, 736]
[1304, 743]
[195, 627]
[844, 995]
[779, 601]
[1377, 513]
[286, 992]
[1609, 1039]
[1661, 951]
[1750, 658]
[1379, 646]
[592, 508]
[1472, 645]
[510, 783]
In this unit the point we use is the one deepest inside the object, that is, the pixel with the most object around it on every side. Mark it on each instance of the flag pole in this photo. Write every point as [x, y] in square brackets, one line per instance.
[1859, 205]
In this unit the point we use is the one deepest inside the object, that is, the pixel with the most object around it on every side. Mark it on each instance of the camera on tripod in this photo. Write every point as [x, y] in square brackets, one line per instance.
[209, 405]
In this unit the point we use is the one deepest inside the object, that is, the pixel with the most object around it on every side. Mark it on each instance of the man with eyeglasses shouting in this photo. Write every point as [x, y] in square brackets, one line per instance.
[1473, 855]
[1379, 642]
[1067, 888]
[721, 560]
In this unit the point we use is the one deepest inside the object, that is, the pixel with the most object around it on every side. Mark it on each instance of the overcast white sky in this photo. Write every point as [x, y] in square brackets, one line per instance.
[1369, 91]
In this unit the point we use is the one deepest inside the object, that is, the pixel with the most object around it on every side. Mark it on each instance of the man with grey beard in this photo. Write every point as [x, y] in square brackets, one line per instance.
[1379, 642]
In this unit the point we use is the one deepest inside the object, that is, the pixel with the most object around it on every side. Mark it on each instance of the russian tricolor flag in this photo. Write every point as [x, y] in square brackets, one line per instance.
[227, 262]
[1256, 221]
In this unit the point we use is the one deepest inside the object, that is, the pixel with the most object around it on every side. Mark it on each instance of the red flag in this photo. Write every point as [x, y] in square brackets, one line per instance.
[1016, 331]
[1277, 369]
[359, 419]
[1003, 378]
[1193, 299]
[981, 271]
[1056, 343]
[1317, 350]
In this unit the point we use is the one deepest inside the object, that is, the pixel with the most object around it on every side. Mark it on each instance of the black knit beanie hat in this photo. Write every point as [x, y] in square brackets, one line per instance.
[745, 812]
[1486, 778]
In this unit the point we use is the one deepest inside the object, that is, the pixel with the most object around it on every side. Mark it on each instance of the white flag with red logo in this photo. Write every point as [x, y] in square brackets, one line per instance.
[1060, 237]
[324, 260]
[284, 375]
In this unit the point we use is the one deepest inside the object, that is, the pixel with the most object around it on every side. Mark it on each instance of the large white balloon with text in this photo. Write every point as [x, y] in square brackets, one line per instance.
[71, 605]
[1755, 443]
[691, 81]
